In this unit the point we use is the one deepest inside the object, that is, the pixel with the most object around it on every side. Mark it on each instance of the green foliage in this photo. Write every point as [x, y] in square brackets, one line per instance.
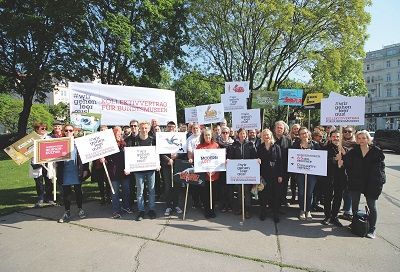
[60, 112]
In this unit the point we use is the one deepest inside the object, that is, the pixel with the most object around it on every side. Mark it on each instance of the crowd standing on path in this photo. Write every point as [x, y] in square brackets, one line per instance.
[355, 167]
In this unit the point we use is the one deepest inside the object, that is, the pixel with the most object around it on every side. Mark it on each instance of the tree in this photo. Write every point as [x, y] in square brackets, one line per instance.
[35, 38]
[60, 112]
[194, 89]
[264, 41]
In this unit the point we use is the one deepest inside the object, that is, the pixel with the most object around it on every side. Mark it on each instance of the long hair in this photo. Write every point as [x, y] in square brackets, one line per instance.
[207, 130]
[271, 135]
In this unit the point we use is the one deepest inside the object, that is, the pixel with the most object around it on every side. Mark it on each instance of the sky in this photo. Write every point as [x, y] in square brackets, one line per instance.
[384, 27]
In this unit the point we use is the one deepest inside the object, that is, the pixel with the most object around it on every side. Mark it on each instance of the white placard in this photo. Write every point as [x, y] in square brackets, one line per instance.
[116, 105]
[242, 172]
[305, 161]
[342, 111]
[209, 160]
[191, 115]
[239, 87]
[171, 142]
[247, 119]
[233, 102]
[97, 145]
[212, 113]
[141, 158]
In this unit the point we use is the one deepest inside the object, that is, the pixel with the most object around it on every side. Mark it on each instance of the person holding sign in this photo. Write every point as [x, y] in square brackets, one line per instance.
[305, 143]
[71, 174]
[118, 176]
[242, 149]
[366, 169]
[272, 172]
[207, 142]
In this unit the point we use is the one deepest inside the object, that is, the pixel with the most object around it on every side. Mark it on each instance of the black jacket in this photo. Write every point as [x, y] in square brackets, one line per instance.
[284, 143]
[245, 150]
[366, 174]
[335, 174]
[271, 162]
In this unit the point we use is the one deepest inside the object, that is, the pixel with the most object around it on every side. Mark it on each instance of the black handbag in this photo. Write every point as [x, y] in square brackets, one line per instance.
[360, 223]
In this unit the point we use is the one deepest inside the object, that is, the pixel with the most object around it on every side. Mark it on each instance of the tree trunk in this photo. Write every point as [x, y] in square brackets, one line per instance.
[24, 114]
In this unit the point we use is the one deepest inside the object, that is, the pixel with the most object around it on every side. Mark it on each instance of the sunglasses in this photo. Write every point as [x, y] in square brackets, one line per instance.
[69, 130]
[347, 131]
[134, 125]
[42, 128]
[224, 132]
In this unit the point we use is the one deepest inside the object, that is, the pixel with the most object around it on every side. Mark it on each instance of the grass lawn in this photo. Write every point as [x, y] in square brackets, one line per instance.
[17, 189]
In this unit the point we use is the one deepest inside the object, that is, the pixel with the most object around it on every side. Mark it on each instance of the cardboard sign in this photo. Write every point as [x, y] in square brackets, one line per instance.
[171, 142]
[22, 150]
[313, 101]
[52, 150]
[209, 160]
[242, 172]
[117, 104]
[191, 115]
[264, 99]
[304, 161]
[141, 158]
[97, 145]
[247, 119]
[342, 110]
[212, 113]
[238, 87]
[233, 102]
[290, 97]
[184, 172]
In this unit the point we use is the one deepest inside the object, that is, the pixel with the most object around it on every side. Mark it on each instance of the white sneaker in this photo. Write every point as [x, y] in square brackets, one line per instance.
[65, 218]
[371, 235]
[308, 215]
[81, 214]
[302, 215]
[178, 210]
[168, 212]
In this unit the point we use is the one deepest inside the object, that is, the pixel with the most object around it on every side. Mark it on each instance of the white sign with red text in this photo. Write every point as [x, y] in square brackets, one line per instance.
[209, 160]
[238, 87]
[306, 161]
[242, 172]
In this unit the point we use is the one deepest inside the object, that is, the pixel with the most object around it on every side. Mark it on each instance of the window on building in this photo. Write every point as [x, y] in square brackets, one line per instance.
[368, 79]
[367, 67]
[389, 92]
[372, 79]
[388, 77]
[388, 64]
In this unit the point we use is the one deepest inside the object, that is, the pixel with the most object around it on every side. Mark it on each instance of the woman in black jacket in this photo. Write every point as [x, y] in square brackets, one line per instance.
[366, 170]
[271, 169]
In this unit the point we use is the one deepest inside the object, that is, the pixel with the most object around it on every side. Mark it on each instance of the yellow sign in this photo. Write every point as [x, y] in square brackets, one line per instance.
[313, 98]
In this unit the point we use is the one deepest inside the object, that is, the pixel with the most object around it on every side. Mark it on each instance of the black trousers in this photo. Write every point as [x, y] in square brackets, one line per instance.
[271, 195]
[67, 195]
[334, 187]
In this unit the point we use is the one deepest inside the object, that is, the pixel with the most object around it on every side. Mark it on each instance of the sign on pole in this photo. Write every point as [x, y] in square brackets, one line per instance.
[184, 172]
[22, 150]
[264, 99]
[191, 115]
[247, 119]
[209, 160]
[313, 101]
[290, 97]
[238, 87]
[242, 172]
[233, 102]
[305, 161]
[141, 158]
[97, 145]
[52, 150]
[171, 142]
[212, 113]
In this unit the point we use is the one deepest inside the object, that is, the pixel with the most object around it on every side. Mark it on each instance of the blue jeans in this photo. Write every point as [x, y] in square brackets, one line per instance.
[124, 184]
[151, 180]
[347, 202]
[311, 181]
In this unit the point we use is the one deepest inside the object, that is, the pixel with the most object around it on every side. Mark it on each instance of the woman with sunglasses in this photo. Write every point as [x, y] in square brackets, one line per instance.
[71, 173]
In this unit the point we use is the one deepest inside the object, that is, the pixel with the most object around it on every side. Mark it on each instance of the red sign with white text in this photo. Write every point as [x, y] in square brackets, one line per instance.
[50, 150]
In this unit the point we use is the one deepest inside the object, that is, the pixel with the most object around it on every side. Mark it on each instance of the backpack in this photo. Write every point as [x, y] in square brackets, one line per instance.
[360, 223]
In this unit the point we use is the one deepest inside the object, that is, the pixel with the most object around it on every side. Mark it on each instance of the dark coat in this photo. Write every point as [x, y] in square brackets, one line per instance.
[271, 162]
[366, 174]
[116, 164]
[335, 174]
[245, 150]
[284, 143]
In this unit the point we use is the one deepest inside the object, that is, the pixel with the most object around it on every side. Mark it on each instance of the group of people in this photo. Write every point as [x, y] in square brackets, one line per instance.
[355, 166]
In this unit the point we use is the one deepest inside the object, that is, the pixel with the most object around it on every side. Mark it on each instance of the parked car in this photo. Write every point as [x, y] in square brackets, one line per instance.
[388, 139]
[372, 134]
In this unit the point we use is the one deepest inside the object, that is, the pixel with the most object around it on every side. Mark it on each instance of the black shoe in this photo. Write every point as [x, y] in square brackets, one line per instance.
[152, 214]
[347, 217]
[276, 219]
[212, 214]
[336, 222]
[325, 221]
[262, 216]
[140, 216]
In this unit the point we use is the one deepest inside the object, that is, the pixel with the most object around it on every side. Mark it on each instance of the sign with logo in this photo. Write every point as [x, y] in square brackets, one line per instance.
[191, 115]
[22, 150]
[171, 142]
[242, 172]
[141, 158]
[212, 113]
[247, 119]
[209, 160]
[264, 99]
[290, 97]
[313, 101]
[184, 172]
[52, 150]
[234, 102]
[304, 161]
[97, 145]
[238, 87]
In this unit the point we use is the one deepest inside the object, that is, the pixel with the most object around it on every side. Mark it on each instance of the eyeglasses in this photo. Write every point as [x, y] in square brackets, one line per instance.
[42, 128]
[69, 130]
[224, 132]
[134, 125]
[347, 131]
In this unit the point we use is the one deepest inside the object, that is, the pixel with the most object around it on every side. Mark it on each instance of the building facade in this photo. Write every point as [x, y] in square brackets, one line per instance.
[382, 77]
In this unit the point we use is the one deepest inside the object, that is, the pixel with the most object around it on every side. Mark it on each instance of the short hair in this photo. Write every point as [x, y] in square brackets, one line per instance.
[285, 126]
[68, 125]
[37, 125]
[240, 130]
[171, 123]
[103, 126]
[267, 130]
[225, 128]
[133, 121]
[144, 123]
[366, 133]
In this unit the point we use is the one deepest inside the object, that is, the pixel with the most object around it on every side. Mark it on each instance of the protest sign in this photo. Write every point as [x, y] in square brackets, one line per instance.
[234, 102]
[97, 145]
[247, 119]
[212, 113]
[141, 158]
[242, 172]
[305, 161]
[209, 160]
[312, 101]
[171, 142]
[117, 104]
[22, 150]
[264, 99]
[52, 150]
[341, 110]
[184, 172]
[191, 115]
[238, 87]
[290, 97]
